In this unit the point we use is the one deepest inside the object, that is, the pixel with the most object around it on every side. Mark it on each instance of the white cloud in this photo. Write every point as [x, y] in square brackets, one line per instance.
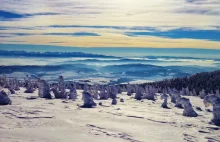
[154, 13]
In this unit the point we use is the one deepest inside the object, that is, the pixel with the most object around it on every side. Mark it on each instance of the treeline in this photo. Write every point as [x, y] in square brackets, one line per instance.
[209, 81]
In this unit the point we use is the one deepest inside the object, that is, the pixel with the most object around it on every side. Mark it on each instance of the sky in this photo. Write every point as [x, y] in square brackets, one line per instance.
[112, 23]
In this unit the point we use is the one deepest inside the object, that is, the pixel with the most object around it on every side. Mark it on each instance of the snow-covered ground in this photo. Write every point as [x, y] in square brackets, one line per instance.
[56, 120]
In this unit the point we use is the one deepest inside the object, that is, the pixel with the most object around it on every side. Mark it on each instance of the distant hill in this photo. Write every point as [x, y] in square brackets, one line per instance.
[209, 81]
[50, 54]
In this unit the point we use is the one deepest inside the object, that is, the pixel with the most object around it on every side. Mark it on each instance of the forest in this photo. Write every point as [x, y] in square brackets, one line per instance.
[209, 81]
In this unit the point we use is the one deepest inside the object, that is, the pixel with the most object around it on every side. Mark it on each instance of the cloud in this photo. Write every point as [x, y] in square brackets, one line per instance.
[18, 28]
[105, 27]
[84, 26]
[56, 42]
[58, 34]
[192, 1]
[22, 34]
[16, 34]
[199, 11]
[114, 41]
[7, 15]
[4, 36]
[41, 14]
[73, 34]
[3, 28]
[106, 23]
[16, 41]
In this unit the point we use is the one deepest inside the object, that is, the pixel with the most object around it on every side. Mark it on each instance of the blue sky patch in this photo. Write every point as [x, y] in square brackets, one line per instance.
[212, 35]
[9, 15]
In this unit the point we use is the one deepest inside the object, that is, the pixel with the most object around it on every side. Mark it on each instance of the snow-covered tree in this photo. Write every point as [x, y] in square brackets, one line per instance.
[188, 109]
[88, 100]
[217, 93]
[43, 89]
[215, 102]
[73, 92]
[29, 86]
[4, 99]
[202, 94]
[139, 93]
[61, 84]
[164, 96]
[103, 95]
[150, 93]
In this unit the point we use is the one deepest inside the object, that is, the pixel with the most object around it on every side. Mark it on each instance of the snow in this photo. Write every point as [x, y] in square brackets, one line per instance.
[129, 121]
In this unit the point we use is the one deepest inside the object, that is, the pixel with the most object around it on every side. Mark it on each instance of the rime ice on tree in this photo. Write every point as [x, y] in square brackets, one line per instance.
[188, 109]
[43, 89]
[129, 89]
[165, 97]
[150, 93]
[4, 99]
[73, 93]
[11, 86]
[88, 100]
[103, 94]
[139, 93]
[215, 102]
[29, 86]
[61, 84]
[202, 94]
[113, 92]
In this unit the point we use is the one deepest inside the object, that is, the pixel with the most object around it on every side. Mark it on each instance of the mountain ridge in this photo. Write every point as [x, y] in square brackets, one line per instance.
[51, 54]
